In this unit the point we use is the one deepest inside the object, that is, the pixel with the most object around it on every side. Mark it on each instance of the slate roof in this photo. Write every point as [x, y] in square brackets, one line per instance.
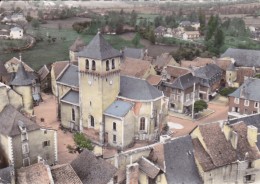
[17, 61]
[72, 97]
[180, 162]
[219, 151]
[70, 76]
[9, 125]
[133, 53]
[135, 67]
[77, 45]
[92, 170]
[148, 167]
[43, 72]
[249, 120]
[64, 174]
[248, 90]
[244, 57]
[208, 71]
[119, 108]
[22, 78]
[99, 48]
[184, 82]
[5, 175]
[138, 89]
[58, 67]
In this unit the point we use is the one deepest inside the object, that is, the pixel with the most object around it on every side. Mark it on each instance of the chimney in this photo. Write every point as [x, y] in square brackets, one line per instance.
[252, 134]
[234, 139]
[132, 173]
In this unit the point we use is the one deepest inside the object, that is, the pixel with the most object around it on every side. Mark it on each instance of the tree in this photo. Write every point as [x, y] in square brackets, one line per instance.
[152, 37]
[35, 23]
[82, 142]
[219, 39]
[202, 20]
[136, 39]
[133, 18]
[200, 105]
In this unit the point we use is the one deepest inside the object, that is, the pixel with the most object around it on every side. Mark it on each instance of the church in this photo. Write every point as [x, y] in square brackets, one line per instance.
[94, 97]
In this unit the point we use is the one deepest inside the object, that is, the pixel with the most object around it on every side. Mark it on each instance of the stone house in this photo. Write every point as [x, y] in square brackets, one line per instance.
[137, 68]
[173, 72]
[226, 153]
[87, 91]
[180, 92]
[162, 61]
[24, 141]
[16, 33]
[190, 35]
[211, 79]
[160, 31]
[246, 99]
[45, 78]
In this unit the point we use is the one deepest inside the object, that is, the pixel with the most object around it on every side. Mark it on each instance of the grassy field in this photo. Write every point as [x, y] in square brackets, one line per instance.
[11, 43]
[44, 52]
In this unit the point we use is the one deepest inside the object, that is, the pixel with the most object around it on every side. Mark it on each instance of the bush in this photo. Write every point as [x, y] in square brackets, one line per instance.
[200, 105]
[82, 142]
[227, 91]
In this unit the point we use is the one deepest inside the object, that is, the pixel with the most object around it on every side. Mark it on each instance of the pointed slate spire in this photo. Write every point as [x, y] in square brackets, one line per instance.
[21, 77]
[99, 48]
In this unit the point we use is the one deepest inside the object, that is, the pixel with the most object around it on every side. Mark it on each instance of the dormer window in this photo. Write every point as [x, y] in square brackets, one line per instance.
[93, 65]
[87, 64]
[107, 65]
[113, 64]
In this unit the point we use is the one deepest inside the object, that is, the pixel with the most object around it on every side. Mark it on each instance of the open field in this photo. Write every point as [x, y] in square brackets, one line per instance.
[65, 24]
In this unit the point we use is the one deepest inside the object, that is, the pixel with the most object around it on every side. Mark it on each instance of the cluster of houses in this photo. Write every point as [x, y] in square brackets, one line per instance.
[117, 98]
[10, 26]
[187, 31]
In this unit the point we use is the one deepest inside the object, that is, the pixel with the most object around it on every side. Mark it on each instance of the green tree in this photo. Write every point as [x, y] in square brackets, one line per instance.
[133, 18]
[152, 37]
[82, 142]
[35, 23]
[200, 105]
[136, 39]
[219, 39]
[202, 20]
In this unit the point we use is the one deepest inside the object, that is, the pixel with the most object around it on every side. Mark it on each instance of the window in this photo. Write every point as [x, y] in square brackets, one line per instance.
[142, 123]
[256, 104]
[24, 136]
[236, 100]
[25, 148]
[107, 65]
[114, 125]
[113, 64]
[187, 97]
[236, 109]
[46, 143]
[172, 105]
[250, 165]
[114, 138]
[72, 114]
[26, 162]
[249, 178]
[87, 64]
[92, 122]
[93, 65]
[246, 103]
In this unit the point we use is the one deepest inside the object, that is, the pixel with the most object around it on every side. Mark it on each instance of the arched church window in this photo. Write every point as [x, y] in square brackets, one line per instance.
[107, 65]
[92, 121]
[87, 64]
[113, 64]
[93, 65]
[142, 123]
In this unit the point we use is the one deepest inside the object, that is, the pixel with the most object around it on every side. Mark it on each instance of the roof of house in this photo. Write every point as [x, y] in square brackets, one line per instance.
[16, 61]
[184, 82]
[22, 78]
[159, 29]
[162, 60]
[252, 119]
[197, 62]
[149, 168]
[219, 151]
[192, 32]
[36, 173]
[16, 29]
[119, 108]
[133, 53]
[135, 67]
[64, 174]
[77, 45]
[154, 79]
[10, 124]
[157, 156]
[5, 175]
[180, 162]
[71, 97]
[92, 170]
[243, 57]
[185, 23]
[43, 72]
[208, 71]
[244, 72]
[99, 48]
[138, 89]
[70, 76]
[248, 90]
[223, 63]
[58, 67]
[175, 71]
